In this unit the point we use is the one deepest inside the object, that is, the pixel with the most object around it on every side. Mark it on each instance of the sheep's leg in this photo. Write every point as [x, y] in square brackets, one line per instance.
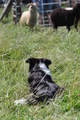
[68, 27]
[77, 29]
[55, 28]
[76, 25]
[36, 28]
[31, 29]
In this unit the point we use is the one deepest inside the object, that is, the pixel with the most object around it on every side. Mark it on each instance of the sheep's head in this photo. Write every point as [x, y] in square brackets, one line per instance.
[77, 6]
[76, 9]
[32, 7]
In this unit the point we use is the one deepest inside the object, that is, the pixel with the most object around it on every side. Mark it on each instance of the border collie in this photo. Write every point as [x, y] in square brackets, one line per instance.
[40, 82]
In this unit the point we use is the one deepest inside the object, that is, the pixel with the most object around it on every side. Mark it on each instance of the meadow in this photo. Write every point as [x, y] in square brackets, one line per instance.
[18, 43]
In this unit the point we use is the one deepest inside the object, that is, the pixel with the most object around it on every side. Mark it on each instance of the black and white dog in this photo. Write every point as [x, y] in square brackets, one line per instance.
[40, 82]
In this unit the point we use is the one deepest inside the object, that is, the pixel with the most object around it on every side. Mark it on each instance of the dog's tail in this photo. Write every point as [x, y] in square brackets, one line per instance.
[24, 101]
[33, 100]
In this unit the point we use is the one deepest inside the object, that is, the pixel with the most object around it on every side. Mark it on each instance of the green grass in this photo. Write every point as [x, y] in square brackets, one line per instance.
[19, 43]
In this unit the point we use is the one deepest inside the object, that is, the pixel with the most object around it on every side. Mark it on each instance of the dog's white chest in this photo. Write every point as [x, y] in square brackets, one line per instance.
[44, 68]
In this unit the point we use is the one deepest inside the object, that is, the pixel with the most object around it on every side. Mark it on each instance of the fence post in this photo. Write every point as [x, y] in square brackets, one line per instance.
[42, 12]
[16, 11]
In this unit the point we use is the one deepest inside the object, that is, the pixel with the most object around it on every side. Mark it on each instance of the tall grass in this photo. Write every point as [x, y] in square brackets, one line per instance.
[18, 43]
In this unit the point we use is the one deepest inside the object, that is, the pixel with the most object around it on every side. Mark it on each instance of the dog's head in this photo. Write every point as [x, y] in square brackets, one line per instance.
[34, 61]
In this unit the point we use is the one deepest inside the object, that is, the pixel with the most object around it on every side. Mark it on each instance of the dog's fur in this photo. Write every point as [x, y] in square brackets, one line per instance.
[63, 17]
[40, 81]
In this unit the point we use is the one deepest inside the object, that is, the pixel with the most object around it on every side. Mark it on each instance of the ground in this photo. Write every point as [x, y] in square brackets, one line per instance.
[18, 43]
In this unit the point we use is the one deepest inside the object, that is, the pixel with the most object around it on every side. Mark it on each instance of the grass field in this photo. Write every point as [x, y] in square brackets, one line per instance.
[19, 43]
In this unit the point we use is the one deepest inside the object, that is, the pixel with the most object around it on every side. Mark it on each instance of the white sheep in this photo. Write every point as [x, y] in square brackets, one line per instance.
[29, 17]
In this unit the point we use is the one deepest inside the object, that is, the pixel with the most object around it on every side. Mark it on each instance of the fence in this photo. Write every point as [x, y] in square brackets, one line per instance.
[16, 10]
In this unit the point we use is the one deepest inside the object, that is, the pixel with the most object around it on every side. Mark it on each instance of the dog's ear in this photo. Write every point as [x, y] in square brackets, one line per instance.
[32, 62]
[46, 61]
[28, 60]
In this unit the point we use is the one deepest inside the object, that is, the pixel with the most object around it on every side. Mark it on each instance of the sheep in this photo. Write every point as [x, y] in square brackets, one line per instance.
[29, 17]
[63, 17]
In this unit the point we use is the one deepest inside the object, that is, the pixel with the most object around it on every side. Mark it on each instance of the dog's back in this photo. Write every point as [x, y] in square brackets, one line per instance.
[40, 81]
